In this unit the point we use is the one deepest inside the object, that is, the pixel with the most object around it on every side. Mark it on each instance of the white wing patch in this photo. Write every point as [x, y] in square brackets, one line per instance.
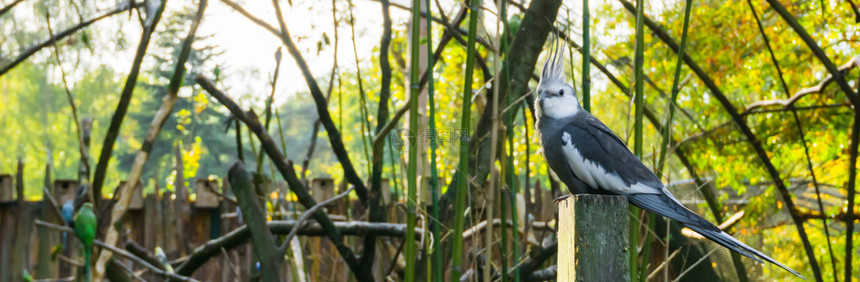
[596, 176]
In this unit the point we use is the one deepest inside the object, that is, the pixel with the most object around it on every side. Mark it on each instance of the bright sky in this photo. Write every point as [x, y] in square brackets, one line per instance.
[248, 50]
[249, 47]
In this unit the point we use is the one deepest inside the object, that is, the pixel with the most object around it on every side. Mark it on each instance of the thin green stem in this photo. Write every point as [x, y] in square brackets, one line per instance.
[586, 57]
[638, 101]
[281, 133]
[676, 80]
[667, 134]
[434, 173]
[412, 179]
[511, 176]
[802, 138]
[460, 200]
[503, 249]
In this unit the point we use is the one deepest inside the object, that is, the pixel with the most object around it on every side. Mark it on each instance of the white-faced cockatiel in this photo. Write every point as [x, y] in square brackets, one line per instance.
[590, 159]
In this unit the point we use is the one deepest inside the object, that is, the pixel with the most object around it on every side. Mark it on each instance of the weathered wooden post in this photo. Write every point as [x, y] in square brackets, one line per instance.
[64, 190]
[592, 238]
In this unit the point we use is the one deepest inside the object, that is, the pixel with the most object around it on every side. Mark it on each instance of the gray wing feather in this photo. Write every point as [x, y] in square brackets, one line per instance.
[610, 152]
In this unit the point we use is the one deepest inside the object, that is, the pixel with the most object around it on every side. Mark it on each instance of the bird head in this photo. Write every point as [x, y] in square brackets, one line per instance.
[87, 205]
[556, 99]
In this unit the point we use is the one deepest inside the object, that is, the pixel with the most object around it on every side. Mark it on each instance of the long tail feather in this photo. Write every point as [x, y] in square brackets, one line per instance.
[88, 254]
[665, 205]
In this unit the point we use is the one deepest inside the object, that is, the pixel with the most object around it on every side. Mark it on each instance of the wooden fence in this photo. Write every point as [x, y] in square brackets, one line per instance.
[180, 223]
[170, 221]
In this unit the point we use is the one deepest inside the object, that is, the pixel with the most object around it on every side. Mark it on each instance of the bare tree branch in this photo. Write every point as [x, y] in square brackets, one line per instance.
[241, 234]
[855, 10]
[301, 222]
[802, 137]
[377, 161]
[85, 159]
[59, 36]
[284, 167]
[532, 263]
[121, 108]
[9, 7]
[121, 252]
[334, 67]
[844, 69]
[855, 129]
[125, 195]
[270, 257]
[745, 129]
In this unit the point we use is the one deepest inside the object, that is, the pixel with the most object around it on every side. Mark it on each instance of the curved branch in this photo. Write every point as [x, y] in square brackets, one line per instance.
[241, 234]
[322, 109]
[9, 7]
[59, 36]
[121, 252]
[531, 264]
[378, 149]
[271, 258]
[446, 37]
[118, 210]
[853, 63]
[285, 168]
[745, 129]
[121, 109]
[802, 133]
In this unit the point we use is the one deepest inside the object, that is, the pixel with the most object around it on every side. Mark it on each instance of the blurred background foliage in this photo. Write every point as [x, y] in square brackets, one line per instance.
[36, 124]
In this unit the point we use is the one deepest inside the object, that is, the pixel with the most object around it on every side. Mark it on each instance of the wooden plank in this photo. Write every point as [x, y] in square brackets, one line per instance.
[152, 223]
[7, 194]
[199, 235]
[205, 197]
[593, 238]
[46, 268]
[7, 222]
[136, 198]
[23, 225]
[170, 241]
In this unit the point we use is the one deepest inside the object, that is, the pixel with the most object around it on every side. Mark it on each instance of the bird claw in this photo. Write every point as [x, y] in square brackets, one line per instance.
[559, 199]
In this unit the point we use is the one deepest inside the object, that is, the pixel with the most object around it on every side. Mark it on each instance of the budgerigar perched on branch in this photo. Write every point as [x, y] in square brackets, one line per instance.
[68, 213]
[85, 229]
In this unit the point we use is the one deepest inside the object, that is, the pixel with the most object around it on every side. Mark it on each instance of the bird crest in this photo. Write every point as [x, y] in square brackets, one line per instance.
[553, 68]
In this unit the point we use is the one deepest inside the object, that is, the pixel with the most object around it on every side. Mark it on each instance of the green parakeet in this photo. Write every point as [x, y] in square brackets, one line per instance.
[85, 229]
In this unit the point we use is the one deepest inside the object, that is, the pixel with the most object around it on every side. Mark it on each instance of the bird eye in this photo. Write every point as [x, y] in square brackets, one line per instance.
[561, 92]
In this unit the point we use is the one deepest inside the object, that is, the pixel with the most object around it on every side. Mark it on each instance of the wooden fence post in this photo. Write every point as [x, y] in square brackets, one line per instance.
[592, 238]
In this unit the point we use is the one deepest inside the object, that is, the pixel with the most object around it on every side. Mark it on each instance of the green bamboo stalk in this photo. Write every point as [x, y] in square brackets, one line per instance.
[281, 134]
[239, 153]
[586, 57]
[667, 135]
[503, 249]
[676, 80]
[412, 179]
[512, 183]
[460, 200]
[637, 132]
[437, 248]
[493, 185]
